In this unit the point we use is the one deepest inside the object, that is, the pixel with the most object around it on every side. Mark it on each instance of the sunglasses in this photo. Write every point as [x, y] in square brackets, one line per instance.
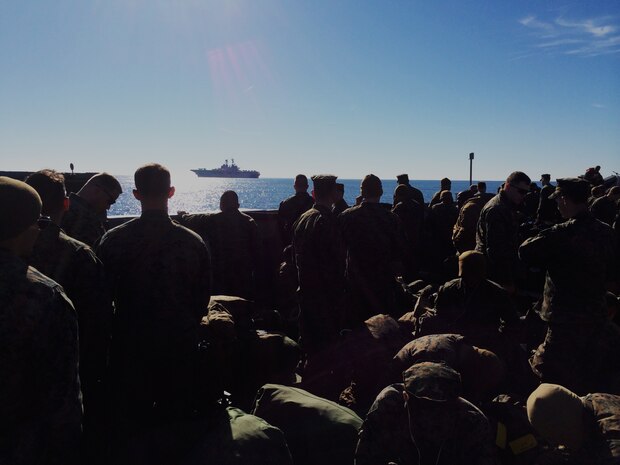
[519, 189]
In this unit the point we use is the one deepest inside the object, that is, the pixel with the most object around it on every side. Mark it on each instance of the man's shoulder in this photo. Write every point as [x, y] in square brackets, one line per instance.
[351, 212]
[183, 233]
[43, 288]
[74, 245]
[493, 203]
[120, 232]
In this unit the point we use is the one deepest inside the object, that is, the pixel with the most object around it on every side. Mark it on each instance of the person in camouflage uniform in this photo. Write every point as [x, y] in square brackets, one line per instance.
[292, 208]
[498, 227]
[40, 402]
[455, 351]
[233, 239]
[588, 426]
[464, 231]
[416, 194]
[86, 218]
[75, 266]
[424, 421]
[446, 185]
[605, 208]
[547, 213]
[471, 305]
[463, 196]
[320, 266]
[340, 204]
[374, 242]
[161, 280]
[411, 215]
[441, 220]
[580, 258]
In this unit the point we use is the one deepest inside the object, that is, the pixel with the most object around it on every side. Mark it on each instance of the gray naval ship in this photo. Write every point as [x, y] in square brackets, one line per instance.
[226, 171]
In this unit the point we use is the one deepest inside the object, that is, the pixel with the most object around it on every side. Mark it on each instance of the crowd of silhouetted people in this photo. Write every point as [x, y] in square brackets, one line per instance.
[478, 328]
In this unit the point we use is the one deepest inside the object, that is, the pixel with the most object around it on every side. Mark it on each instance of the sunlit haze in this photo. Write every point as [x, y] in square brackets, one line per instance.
[283, 86]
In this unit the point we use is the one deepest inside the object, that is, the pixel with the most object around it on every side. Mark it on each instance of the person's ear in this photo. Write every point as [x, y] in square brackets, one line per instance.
[137, 194]
[170, 192]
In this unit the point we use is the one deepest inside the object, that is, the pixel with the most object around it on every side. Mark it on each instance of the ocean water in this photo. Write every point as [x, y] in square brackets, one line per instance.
[194, 194]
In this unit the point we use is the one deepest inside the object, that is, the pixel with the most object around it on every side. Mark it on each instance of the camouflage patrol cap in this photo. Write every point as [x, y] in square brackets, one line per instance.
[576, 188]
[20, 207]
[434, 381]
[324, 180]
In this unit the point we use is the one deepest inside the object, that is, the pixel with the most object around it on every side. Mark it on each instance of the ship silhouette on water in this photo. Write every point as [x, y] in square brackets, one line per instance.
[226, 171]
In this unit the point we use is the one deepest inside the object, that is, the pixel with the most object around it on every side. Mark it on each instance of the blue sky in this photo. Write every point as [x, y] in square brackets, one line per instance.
[286, 86]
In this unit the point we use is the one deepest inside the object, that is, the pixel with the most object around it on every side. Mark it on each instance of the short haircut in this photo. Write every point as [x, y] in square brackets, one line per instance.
[371, 186]
[301, 180]
[50, 185]
[229, 200]
[339, 187]
[482, 186]
[107, 182]
[598, 191]
[152, 180]
[517, 177]
[445, 182]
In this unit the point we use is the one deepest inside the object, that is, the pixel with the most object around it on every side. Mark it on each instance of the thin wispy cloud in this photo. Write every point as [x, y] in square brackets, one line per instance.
[598, 105]
[582, 37]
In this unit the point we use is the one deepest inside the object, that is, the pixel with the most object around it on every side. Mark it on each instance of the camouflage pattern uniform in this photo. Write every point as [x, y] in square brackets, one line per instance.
[441, 221]
[340, 206]
[579, 256]
[320, 265]
[497, 238]
[411, 215]
[548, 212]
[161, 277]
[77, 269]
[82, 223]
[40, 402]
[374, 241]
[604, 209]
[476, 313]
[416, 194]
[233, 239]
[602, 417]
[386, 435]
[291, 209]
[464, 232]
[435, 347]
[463, 196]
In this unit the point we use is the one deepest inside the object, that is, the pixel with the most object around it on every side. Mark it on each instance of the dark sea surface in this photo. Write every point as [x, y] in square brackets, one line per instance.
[194, 194]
